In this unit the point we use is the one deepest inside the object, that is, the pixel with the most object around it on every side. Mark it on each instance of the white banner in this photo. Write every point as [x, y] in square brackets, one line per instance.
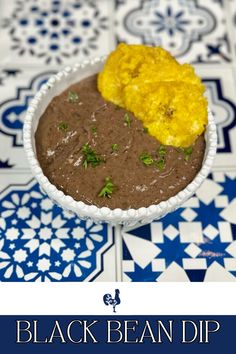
[128, 299]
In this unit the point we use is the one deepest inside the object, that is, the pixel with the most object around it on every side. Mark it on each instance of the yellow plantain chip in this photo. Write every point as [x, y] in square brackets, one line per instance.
[165, 95]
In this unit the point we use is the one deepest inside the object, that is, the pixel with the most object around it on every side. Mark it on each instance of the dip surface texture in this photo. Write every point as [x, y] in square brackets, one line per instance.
[80, 121]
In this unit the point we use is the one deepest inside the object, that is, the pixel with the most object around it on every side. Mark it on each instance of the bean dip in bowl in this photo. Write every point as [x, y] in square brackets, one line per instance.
[99, 161]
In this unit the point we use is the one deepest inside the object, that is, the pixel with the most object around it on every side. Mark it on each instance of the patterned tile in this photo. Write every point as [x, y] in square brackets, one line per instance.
[53, 32]
[41, 242]
[7, 74]
[185, 249]
[221, 95]
[193, 31]
[16, 93]
[231, 8]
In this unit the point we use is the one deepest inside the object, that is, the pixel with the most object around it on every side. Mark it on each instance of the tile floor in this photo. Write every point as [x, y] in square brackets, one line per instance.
[39, 241]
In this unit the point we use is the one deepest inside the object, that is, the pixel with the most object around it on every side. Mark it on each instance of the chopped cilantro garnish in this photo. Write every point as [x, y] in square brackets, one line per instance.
[160, 164]
[63, 126]
[73, 97]
[187, 152]
[162, 151]
[145, 130]
[114, 147]
[127, 120]
[90, 156]
[146, 159]
[107, 189]
[94, 130]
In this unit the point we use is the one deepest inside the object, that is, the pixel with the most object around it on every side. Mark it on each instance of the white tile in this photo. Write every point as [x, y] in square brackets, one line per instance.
[157, 232]
[126, 278]
[211, 232]
[12, 177]
[158, 265]
[174, 273]
[217, 273]
[109, 266]
[231, 249]
[128, 266]
[191, 232]
[208, 191]
[189, 214]
[199, 263]
[191, 203]
[231, 174]
[229, 213]
[230, 263]
[228, 158]
[141, 250]
[221, 201]
[219, 176]
[171, 232]
[225, 231]
[192, 250]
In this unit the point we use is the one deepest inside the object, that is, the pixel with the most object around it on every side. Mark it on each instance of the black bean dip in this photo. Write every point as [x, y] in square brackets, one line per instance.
[101, 154]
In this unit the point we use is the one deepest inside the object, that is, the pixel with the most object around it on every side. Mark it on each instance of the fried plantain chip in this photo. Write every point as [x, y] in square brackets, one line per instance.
[165, 95]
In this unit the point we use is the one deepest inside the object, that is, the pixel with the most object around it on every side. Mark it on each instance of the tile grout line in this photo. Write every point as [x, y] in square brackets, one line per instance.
[119, 252]
[111, 12]
[230, 29]
[232, 42]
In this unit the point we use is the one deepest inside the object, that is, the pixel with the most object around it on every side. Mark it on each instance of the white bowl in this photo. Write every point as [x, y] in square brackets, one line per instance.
[57, 84]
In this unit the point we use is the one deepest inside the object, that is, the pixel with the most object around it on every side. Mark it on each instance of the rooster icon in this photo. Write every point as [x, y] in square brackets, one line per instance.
[108, 300]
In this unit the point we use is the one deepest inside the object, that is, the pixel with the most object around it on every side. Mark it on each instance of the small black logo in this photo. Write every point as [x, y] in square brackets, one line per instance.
[108, 300]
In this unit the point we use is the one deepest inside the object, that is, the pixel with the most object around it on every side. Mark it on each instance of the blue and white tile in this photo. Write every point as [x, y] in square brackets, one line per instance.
[231, 8]
[41, 242]
[7, 74]
[190, 244]
[56, 32]
[221, 94]
[193, 31]
[15, 95]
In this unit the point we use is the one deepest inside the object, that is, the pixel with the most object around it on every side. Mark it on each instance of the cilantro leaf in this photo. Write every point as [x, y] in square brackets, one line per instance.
[187, 152]
[73, 97]
[146, 159]
[63, 126]
[90, 156]
[107, 189]
[115, 147]
[162, 151]
[127, 120]
[160, 164]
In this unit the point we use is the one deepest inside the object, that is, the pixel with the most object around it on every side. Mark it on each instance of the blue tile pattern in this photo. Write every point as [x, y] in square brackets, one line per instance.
[228, 120]
[180, 26]
[12, 110]
[194, 236]
[51, 32]
[41, 242]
